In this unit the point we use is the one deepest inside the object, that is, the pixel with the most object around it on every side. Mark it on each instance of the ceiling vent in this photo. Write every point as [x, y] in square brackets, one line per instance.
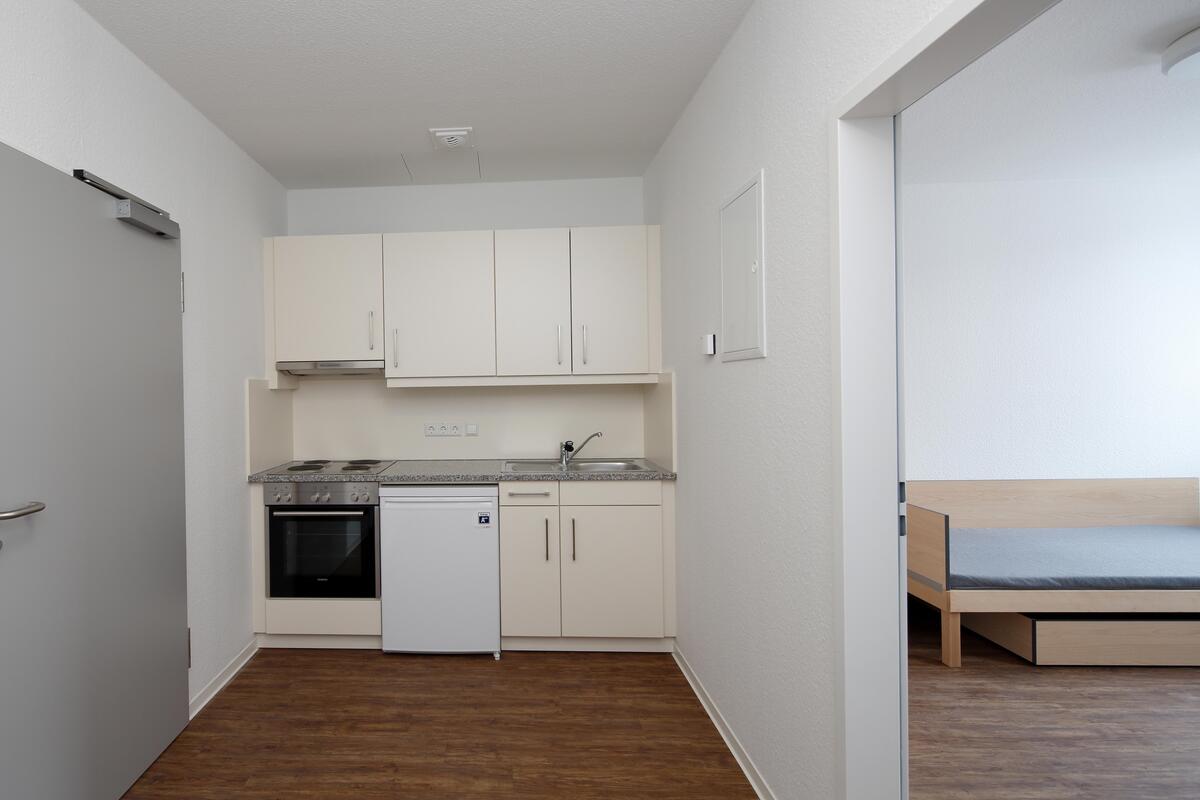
[452, 138]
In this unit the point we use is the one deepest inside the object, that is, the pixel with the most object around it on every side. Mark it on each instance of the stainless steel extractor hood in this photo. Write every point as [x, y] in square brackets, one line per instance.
[373, 367]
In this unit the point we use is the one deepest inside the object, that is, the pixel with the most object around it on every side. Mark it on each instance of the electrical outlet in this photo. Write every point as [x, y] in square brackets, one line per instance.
[443, 429]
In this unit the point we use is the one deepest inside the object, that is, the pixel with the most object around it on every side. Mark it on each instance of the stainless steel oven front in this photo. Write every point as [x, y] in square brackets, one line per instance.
[322, 539]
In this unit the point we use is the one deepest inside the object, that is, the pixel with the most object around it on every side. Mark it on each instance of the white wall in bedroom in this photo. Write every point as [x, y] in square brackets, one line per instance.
[1051, 255]
[72, 96]
[757, 546]
[466, 206]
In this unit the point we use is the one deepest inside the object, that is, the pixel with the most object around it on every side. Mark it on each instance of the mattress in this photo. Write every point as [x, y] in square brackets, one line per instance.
[1122, 557]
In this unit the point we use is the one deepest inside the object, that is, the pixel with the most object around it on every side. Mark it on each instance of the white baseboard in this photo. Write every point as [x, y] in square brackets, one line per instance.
[731, 741]
[313, 641]
[223, 677]
[581, 644]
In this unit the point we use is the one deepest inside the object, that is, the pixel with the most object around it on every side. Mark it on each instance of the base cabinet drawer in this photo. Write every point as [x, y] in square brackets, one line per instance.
[612, 571]
[1094, 640]
[529, 572]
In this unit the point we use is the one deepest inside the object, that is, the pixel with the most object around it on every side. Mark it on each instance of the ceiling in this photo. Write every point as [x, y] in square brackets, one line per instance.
[1078, 93]
[326, 94]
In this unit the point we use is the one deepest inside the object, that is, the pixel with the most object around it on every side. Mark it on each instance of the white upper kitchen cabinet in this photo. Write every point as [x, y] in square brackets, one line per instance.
[610, 300]
[439, 304]
[328, 298]
[533, 302]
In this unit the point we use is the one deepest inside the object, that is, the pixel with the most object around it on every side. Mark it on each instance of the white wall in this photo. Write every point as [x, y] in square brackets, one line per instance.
[72, 96]
[757, 547]
[345, 418]
[466, 206]
[1051, 252]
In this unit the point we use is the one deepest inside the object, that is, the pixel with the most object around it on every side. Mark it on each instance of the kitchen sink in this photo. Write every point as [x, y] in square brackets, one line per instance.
[575, 466]
[604, 466]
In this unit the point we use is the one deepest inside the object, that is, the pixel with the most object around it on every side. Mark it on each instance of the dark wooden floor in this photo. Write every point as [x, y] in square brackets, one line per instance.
[1002, 728]
[360, 724]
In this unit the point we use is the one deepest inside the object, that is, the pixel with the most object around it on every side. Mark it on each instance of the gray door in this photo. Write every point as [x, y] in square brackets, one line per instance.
[93, 614]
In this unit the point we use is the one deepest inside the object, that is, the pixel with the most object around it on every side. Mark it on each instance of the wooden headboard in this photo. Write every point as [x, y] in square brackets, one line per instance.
[1061, 503]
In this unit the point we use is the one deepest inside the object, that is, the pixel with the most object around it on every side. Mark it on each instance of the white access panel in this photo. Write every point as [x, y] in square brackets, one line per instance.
[743, 297]
[440, 569]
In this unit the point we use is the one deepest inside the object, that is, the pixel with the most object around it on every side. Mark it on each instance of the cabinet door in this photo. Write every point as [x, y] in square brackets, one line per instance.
[439, 304]
[610, 300]
[529, 580]
[612, 577]
[329, 298]
[533, 302]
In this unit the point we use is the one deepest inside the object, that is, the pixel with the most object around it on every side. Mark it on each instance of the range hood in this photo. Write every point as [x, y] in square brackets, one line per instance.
[374, 367]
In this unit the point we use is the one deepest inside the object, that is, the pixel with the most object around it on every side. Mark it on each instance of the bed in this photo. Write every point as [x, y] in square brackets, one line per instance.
[1007, 551]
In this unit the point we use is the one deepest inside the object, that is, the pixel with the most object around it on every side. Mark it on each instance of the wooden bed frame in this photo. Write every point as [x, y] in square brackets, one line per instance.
[932, 505]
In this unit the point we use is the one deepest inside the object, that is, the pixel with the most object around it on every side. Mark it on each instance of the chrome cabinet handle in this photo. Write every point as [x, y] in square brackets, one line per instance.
[572, 538]
[396, 348]
[558, 343]
[547, 538]
[31, 507]
[585, 345]
[528, 494]
[371, 329]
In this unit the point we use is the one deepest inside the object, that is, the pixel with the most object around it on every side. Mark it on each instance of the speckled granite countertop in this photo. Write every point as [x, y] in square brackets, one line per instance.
[473, 471]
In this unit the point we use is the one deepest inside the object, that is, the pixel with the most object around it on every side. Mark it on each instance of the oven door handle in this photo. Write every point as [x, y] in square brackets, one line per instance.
[318, 513]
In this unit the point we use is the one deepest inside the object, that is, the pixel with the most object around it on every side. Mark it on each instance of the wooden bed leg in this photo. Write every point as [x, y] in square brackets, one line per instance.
[951, 639]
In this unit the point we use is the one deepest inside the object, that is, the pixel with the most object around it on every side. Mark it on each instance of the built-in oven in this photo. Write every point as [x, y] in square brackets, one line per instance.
[322, 540]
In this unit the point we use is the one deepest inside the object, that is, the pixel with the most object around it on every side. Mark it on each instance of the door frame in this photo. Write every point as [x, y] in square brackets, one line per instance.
[868, 430]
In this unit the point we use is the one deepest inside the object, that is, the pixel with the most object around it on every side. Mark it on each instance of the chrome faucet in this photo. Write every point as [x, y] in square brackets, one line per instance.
[567, 450]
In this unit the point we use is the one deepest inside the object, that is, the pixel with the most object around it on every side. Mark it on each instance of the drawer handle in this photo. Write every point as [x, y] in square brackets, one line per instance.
[528, 494]
[547, 538]
[572, 538]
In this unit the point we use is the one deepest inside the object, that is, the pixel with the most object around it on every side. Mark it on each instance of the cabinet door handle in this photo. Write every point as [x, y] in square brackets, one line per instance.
[558, 343]
[529, 494]
[396, 348]
[572, 538]
[547, 538]
[371, 330]
[585, 345]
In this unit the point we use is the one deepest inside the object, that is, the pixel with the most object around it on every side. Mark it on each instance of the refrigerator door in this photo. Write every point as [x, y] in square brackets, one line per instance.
[440, 569]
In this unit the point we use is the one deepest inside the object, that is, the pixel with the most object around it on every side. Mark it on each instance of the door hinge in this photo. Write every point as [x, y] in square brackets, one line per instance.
[189, 648]
[182, 293]
[902, 492]
[903, 525]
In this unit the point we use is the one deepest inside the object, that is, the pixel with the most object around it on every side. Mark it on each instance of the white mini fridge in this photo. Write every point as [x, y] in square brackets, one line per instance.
[440, 569]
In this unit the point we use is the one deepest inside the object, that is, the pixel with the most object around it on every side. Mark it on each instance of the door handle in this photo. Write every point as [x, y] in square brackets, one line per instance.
[572, 538]
[318, 513]
[396, 348]
[31, 507]
[528, 494]
[371, 329]
[585, 345]
[547, 538]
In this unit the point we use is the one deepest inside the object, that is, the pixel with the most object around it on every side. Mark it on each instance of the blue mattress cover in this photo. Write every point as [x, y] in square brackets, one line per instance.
[1119, 557]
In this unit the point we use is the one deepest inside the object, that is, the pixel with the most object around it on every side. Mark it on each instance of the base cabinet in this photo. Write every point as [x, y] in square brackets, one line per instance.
[612, 571]
[529, 571]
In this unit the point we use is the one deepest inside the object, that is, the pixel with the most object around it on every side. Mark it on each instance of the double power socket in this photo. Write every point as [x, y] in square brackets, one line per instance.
[451, 429]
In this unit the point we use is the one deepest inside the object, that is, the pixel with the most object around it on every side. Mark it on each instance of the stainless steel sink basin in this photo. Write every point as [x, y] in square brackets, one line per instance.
[574, 466]
[604, 466]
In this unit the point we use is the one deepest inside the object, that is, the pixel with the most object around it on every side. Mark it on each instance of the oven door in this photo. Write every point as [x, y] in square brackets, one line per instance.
[330, 552]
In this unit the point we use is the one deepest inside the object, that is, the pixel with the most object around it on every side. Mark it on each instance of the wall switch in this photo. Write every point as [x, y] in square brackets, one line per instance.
[472, 429]
[710, 344]
[455, 429]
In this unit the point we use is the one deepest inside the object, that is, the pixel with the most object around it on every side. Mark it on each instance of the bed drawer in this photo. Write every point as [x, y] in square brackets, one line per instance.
[1093, 640]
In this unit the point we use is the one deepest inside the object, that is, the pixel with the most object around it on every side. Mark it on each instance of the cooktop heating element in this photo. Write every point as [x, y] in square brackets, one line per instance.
[318, 466]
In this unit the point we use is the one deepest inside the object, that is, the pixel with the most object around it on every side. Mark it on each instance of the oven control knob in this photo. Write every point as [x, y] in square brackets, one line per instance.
[316, 498]
[325, 498]
[354, 497]
[287, 498]
[278, 496]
